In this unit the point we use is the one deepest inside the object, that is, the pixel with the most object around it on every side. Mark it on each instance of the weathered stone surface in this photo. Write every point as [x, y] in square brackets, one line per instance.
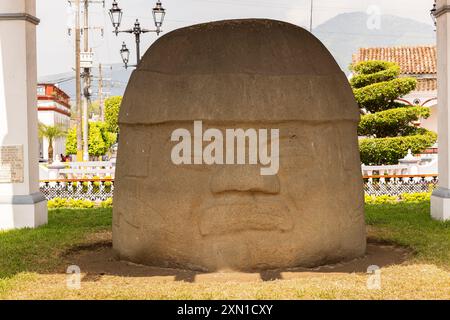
[259, 74]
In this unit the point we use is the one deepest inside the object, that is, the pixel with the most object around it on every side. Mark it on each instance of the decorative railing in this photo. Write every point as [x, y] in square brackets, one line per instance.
[397, 169]
[91, 168]
[103, 188]
[397, 184]
[86, 189]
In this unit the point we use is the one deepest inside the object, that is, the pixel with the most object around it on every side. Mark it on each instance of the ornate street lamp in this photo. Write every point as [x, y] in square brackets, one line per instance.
[433, 13]
[116, 17]
[115, 13]
[158, 16]
[125, 53]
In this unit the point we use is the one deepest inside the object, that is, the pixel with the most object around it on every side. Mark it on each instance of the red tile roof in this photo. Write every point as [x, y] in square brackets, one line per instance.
[412, 60]
[426, 84]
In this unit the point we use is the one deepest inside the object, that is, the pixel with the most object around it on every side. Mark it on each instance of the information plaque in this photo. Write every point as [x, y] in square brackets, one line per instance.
[11, 164]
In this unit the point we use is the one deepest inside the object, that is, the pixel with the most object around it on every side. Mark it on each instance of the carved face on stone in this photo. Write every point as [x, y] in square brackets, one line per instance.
[229, 216]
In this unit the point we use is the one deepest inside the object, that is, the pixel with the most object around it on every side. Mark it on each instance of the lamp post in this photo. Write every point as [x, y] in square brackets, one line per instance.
[115, 13]
[433, 13]
[158, 16]
[125, 53]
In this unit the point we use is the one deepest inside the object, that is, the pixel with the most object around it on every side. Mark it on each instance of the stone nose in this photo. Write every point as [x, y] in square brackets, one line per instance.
[243, 178]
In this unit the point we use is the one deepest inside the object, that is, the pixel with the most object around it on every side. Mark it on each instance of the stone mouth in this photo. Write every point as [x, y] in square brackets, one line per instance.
[224, 218]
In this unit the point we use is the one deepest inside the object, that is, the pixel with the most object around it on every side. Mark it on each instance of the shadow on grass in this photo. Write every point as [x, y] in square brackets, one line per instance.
[410, 225]
[69, 238]
[99, 259]
[39, 250]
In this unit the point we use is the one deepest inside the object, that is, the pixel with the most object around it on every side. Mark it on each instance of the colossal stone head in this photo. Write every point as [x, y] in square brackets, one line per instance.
[239, 74]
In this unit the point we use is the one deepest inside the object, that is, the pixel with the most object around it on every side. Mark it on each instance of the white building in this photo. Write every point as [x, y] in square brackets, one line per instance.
[419, 62]
[53, 109]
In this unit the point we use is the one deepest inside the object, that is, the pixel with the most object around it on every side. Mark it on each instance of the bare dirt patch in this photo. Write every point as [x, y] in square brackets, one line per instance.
[97, 259]
[103, 276]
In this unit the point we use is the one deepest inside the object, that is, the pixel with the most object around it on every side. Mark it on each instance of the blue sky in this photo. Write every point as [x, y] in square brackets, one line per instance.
[56, 47]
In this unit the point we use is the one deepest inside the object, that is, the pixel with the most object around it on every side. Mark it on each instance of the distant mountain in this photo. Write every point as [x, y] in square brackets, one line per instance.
[344, 34]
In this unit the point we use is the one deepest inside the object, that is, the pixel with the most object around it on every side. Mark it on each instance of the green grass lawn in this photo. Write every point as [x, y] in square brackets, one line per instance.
[410, 225]
[25, 254]
[38, 250]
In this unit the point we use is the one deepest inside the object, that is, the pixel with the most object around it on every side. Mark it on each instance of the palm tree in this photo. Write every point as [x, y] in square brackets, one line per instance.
[51, 133]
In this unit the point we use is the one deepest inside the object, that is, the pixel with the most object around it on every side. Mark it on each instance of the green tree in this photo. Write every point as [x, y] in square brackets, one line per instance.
[94, 108]
[71, 141]
[387, 123]
[112, 107]
[100, 139]
[97, 143]
[51, 133]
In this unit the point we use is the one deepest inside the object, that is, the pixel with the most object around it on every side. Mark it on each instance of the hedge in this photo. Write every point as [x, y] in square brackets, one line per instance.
[382, 151]
[78, 203]
[405, 197]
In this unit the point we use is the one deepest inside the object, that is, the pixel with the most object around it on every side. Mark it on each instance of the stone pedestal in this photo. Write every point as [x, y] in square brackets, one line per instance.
[53, 170]
[21, 203]
[412, 163]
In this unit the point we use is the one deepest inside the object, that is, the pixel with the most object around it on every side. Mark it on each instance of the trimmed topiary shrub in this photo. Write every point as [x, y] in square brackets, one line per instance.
[390, 150]
[380, 96]
[387, 124]
[392, 123]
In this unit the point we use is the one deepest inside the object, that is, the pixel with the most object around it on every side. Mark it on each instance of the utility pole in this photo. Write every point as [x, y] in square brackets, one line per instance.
[311, 17]
[100, 92]
[87, 84]
[84, 61]
[78, 81]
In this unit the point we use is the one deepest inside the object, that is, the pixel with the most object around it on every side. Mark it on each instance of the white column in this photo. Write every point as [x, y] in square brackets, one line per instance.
[440, 200]
[21, 203]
